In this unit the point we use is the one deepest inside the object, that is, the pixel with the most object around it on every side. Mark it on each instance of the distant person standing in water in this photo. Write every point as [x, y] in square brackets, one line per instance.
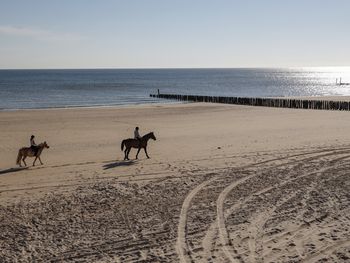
[33, 145]
[137, 135]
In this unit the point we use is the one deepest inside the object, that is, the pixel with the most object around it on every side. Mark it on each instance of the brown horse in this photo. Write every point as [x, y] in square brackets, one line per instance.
[135, 143]
[25, 152]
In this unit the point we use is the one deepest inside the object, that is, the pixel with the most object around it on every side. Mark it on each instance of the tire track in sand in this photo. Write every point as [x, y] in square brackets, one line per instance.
[326, 251]
[227, 247]
[181, 242]
[253, 239]
[225, 242]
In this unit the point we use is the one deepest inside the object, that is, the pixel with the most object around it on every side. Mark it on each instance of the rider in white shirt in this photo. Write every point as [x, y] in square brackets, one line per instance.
[32, 142]
[136, 133]
[33, 145]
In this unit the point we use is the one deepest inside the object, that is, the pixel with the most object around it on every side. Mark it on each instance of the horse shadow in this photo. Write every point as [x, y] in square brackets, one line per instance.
[13, 170]
[118, 164]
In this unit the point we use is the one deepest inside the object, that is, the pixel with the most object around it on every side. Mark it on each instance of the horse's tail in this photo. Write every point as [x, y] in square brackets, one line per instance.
[19, 156]
[122, 146]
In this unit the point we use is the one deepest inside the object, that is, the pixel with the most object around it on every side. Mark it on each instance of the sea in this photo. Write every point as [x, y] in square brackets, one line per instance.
[65, 88]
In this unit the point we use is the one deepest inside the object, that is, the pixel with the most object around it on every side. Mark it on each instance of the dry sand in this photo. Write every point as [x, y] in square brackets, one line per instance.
[225, 183]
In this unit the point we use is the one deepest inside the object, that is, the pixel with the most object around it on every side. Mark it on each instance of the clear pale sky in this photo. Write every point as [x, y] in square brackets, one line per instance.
[174, 33]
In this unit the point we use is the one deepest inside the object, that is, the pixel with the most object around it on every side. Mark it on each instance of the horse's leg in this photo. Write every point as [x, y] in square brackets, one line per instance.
[24, 157]
[129, 152]
[138, 152]
[40, 160]
[146, 152]
[35, 160]
[126, 153]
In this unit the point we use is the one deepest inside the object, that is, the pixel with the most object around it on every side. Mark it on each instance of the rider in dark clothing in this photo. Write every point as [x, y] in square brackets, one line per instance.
[33, 145]
[137, 135]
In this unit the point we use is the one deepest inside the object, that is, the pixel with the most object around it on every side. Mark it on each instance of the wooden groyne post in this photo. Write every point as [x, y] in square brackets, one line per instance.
[264, 102]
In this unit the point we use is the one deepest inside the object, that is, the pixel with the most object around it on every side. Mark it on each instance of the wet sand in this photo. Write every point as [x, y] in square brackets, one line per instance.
[225, 183]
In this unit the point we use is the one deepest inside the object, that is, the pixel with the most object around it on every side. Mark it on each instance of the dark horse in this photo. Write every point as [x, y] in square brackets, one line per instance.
[135, 143]
[25, 152]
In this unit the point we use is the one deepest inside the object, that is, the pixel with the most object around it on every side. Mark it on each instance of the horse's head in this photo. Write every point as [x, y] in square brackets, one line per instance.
[46, 145]
[152, 136]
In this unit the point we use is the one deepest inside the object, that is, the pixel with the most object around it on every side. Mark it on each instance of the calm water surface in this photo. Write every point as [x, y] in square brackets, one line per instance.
[28, 89]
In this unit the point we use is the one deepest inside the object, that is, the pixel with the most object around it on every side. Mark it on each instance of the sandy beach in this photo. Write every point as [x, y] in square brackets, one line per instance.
[224, 183]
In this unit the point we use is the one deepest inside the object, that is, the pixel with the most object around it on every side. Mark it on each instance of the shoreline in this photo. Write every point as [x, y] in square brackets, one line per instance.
[167, 101]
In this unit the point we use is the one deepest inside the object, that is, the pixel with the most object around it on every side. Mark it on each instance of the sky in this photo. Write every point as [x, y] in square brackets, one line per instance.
[173, 33]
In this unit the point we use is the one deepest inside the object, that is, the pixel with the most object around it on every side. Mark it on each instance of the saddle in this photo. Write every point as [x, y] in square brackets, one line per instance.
[139, 140]
[34, 149]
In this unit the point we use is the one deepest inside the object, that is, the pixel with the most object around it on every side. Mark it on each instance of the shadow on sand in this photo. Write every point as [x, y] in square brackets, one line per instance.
[117, 164]
[13, 170]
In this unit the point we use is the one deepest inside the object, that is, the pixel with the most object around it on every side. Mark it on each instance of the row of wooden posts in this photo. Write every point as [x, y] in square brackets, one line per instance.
[265, 102]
